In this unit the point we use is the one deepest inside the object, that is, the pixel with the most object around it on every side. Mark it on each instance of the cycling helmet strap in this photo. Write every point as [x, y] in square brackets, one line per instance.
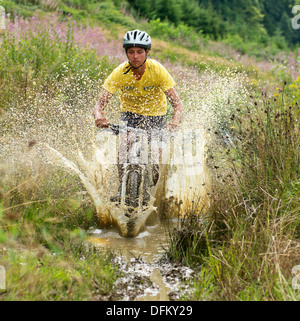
[131, 67]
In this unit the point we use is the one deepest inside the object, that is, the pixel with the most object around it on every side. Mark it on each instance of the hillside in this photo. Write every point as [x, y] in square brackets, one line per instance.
[176, 42]
[257, 28]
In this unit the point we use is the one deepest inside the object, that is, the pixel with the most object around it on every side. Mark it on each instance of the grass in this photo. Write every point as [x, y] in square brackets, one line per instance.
[37, 275]
[44, 215]
[252, 242]
[43, 245]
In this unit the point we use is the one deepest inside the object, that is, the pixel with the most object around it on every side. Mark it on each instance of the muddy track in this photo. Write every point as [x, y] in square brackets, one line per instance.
[145, 274]
[149, 281]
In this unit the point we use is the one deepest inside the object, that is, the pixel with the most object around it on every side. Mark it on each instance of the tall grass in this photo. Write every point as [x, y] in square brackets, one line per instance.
[252, 242]
[43, 223]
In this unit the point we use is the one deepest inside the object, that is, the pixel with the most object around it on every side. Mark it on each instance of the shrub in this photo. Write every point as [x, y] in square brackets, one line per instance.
[181, 34]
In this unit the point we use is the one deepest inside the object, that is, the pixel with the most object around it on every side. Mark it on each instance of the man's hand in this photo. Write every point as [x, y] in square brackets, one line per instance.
[178, 109]
[101, 122]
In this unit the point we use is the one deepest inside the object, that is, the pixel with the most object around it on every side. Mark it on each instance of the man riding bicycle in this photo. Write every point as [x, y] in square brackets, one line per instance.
[144, 85]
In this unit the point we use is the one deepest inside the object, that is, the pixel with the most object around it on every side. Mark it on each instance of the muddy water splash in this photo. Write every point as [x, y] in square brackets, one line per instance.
[187, 182]
[62, 133]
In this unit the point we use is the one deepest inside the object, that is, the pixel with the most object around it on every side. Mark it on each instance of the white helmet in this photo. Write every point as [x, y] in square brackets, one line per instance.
[137, 38]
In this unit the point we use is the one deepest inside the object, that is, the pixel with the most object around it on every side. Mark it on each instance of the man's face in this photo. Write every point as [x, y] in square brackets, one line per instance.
[136, 55]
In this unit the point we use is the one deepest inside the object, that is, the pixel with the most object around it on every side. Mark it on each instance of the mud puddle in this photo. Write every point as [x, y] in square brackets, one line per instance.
[146, 275]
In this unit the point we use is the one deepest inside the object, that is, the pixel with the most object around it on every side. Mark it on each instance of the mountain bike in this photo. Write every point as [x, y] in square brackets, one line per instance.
[139, 174]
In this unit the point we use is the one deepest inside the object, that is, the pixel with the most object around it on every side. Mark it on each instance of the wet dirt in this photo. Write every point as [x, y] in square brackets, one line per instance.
[145, 273]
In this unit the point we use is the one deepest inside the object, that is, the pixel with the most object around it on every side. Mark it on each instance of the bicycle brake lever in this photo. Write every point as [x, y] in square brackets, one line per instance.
[114, 128]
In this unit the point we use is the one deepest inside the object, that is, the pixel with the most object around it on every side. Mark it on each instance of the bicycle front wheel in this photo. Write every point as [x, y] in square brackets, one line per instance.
[133, 189]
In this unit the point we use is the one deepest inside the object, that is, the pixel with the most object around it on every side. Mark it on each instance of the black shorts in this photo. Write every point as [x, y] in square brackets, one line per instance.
[143, 122]
[153, 126]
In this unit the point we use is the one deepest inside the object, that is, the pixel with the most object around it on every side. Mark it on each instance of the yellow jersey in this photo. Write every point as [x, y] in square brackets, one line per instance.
[145, 96]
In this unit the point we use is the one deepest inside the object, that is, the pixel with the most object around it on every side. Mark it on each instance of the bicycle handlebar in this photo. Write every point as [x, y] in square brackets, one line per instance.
[116, 129]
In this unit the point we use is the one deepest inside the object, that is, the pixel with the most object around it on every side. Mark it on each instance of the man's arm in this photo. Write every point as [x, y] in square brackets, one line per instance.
[176, 103]
[104, 99]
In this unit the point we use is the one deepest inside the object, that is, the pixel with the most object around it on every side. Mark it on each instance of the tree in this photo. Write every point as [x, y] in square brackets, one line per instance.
[168, 10]
[252, 20]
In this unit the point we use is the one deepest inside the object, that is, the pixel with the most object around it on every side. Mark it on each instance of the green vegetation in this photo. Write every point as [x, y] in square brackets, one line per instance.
[44, 217]
[259, 28]
[246, 245]
[245, 24]
[37, 275]
[43, 223]
[34, 60]
[88, 12]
